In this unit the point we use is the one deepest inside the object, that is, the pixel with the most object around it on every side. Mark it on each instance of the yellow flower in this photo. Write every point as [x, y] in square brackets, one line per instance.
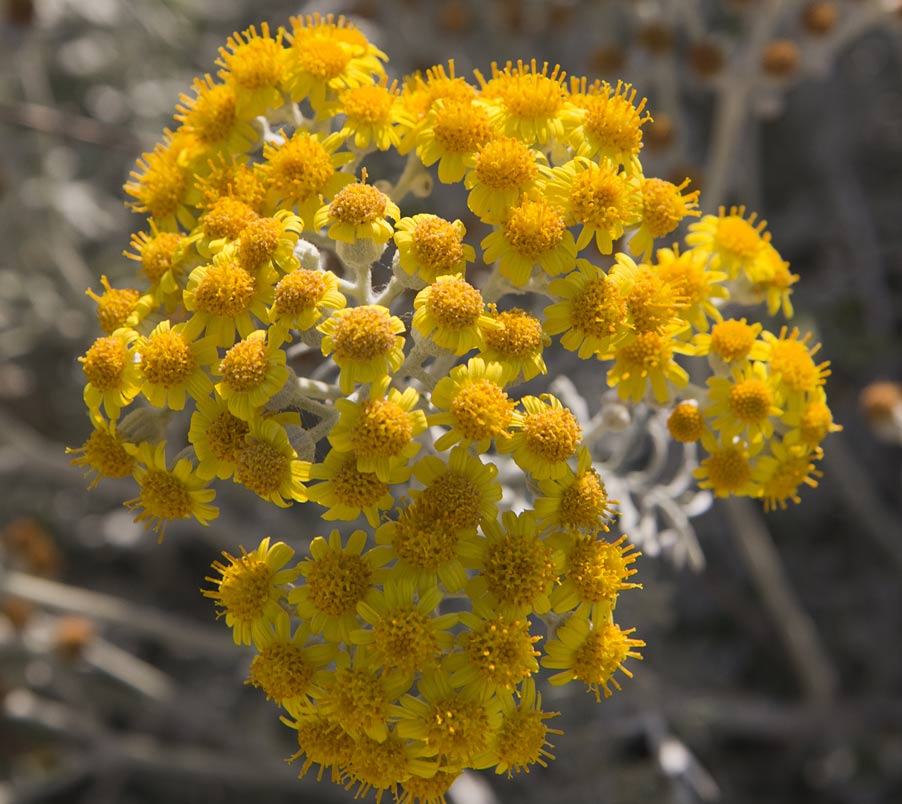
[432, 790]
[380, 765]
[646, 358]
[533, 233]
[216, 434]
[160, 183]
[225, 297]
[727, 469]
[459, 489]
[114, 305]
[577, 502]
[686, 423]
[791, 361]
[162, 256]
[268, 465]
[478, 408]
[744, 404]
[253, 371]
[734, 244]
[419, 94]
[403, 633]
[731, 340]
[221, 224]
[211, 119]
[811, 422]
[322, 741]
[104, 453]
[498, 174]
[457, 726]
[167, 494]
[591, 654]
[172, 365]
[429, 247]
[347, 492]
[497, 653]
[522, 738]
[595, 573]
[451, 312]
[528, 101]
[780, 474]
[548, 436]
[455, 129]
[249, 589]
[598, 197]
[516, 342]
[230, 175]
[380, 430]
[663, 207]
[336, 578]
[270, 241]
[286, 667]
[112, 376]
[592, 315]
[302, 170]
[606, 123]
[365, 342]
[517, 569]
[254, 65]
[358, 212]
[302, 297]
[693, 283]
[652, 303]
[327, 55]
[373, 115]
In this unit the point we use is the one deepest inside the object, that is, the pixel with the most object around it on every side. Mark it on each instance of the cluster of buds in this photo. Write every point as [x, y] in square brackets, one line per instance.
[406, 650]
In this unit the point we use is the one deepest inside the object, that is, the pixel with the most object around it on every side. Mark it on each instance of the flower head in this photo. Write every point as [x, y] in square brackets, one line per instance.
[252, 372]
[430, 247]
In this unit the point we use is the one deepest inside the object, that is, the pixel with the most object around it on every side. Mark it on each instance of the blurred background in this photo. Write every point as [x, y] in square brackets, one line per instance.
[774, 673]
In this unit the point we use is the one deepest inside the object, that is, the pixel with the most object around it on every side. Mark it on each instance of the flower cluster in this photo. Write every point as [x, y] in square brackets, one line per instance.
[406, 651]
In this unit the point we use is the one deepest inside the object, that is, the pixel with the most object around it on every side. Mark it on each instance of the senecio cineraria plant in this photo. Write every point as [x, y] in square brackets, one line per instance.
[262, 187]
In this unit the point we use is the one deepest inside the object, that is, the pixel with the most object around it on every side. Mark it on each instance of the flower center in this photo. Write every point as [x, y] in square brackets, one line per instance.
[257, 64]
[750, 401]
[457, 728]
[226, 436]
[245, 365]
[355, 488]
[600, 197]
[367, 105]
[228, 217]
[363, 334]
[261, 467]
[321, 57]
[455, 304]
[651, 303]
[167, 359]
[212, 116]
[518, 568]
[299, 168]
[424, 541]
[506, 164]
[614, 122]
[502, 651]
[245, 588]
[686, 422]
[226, 290]
[792, 361]
[816, 422]
[456, 497]
[403, 638]
[105, 453]
[584, 503]
[281, 671]
[115, 306]
[599, 569]
[728, 469]
[598, 309]
[383, 429]
[461, 126]
[357, 204]
[737, 237]
[603, 652]
[338, 581]
[157, 255]
[258, 241]
[552, 434]
[299, 291]
[438, 244]
[534, 228]
[104, 363]
[731, 339]
[520, 334]
[356, 700]
[164, 496]
[481, 410]
[663, 206]
[648, 350]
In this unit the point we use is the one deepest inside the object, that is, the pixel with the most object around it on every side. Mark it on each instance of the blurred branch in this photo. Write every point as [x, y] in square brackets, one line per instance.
[49, 120]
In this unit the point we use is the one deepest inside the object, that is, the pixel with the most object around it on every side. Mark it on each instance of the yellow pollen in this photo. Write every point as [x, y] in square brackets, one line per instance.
[503, 651]
[212, 115]
[461, 126]
[226, 290]
[455, 497]
[423, 539]
[104, 363]
[257, 63]
[261, 467]
[519, 336]
[598, 309]
[281, 671]
[481, 410]
[157, 255]
[403, 638]
[363, 333]
[164, 496]
[338, 581]
[604, 652]
[518, 568]
[750, 401]
[584, 503]
[245, 587]
[245, 365]
[731, 339]
[105, 454]
[646, 351]
[506, 164]
[114, 306]
[738, 237]
[355, 488]
[384, 429]
[614, 121]
[167, 359]
[438, 245]
[368, 104]
[226, 435]
[728, 469]
[357, 204]
[455, 304]
[321, 57]
[599, 569]
[686, 423]
[552, 434]
[522, 739]
[534, 228]
[600, 197]
[533, 95]
[791, 360]
[663, 207]
[457, 727]
[299, 168]
[228, 217]
[258, 241]
[299, 291]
